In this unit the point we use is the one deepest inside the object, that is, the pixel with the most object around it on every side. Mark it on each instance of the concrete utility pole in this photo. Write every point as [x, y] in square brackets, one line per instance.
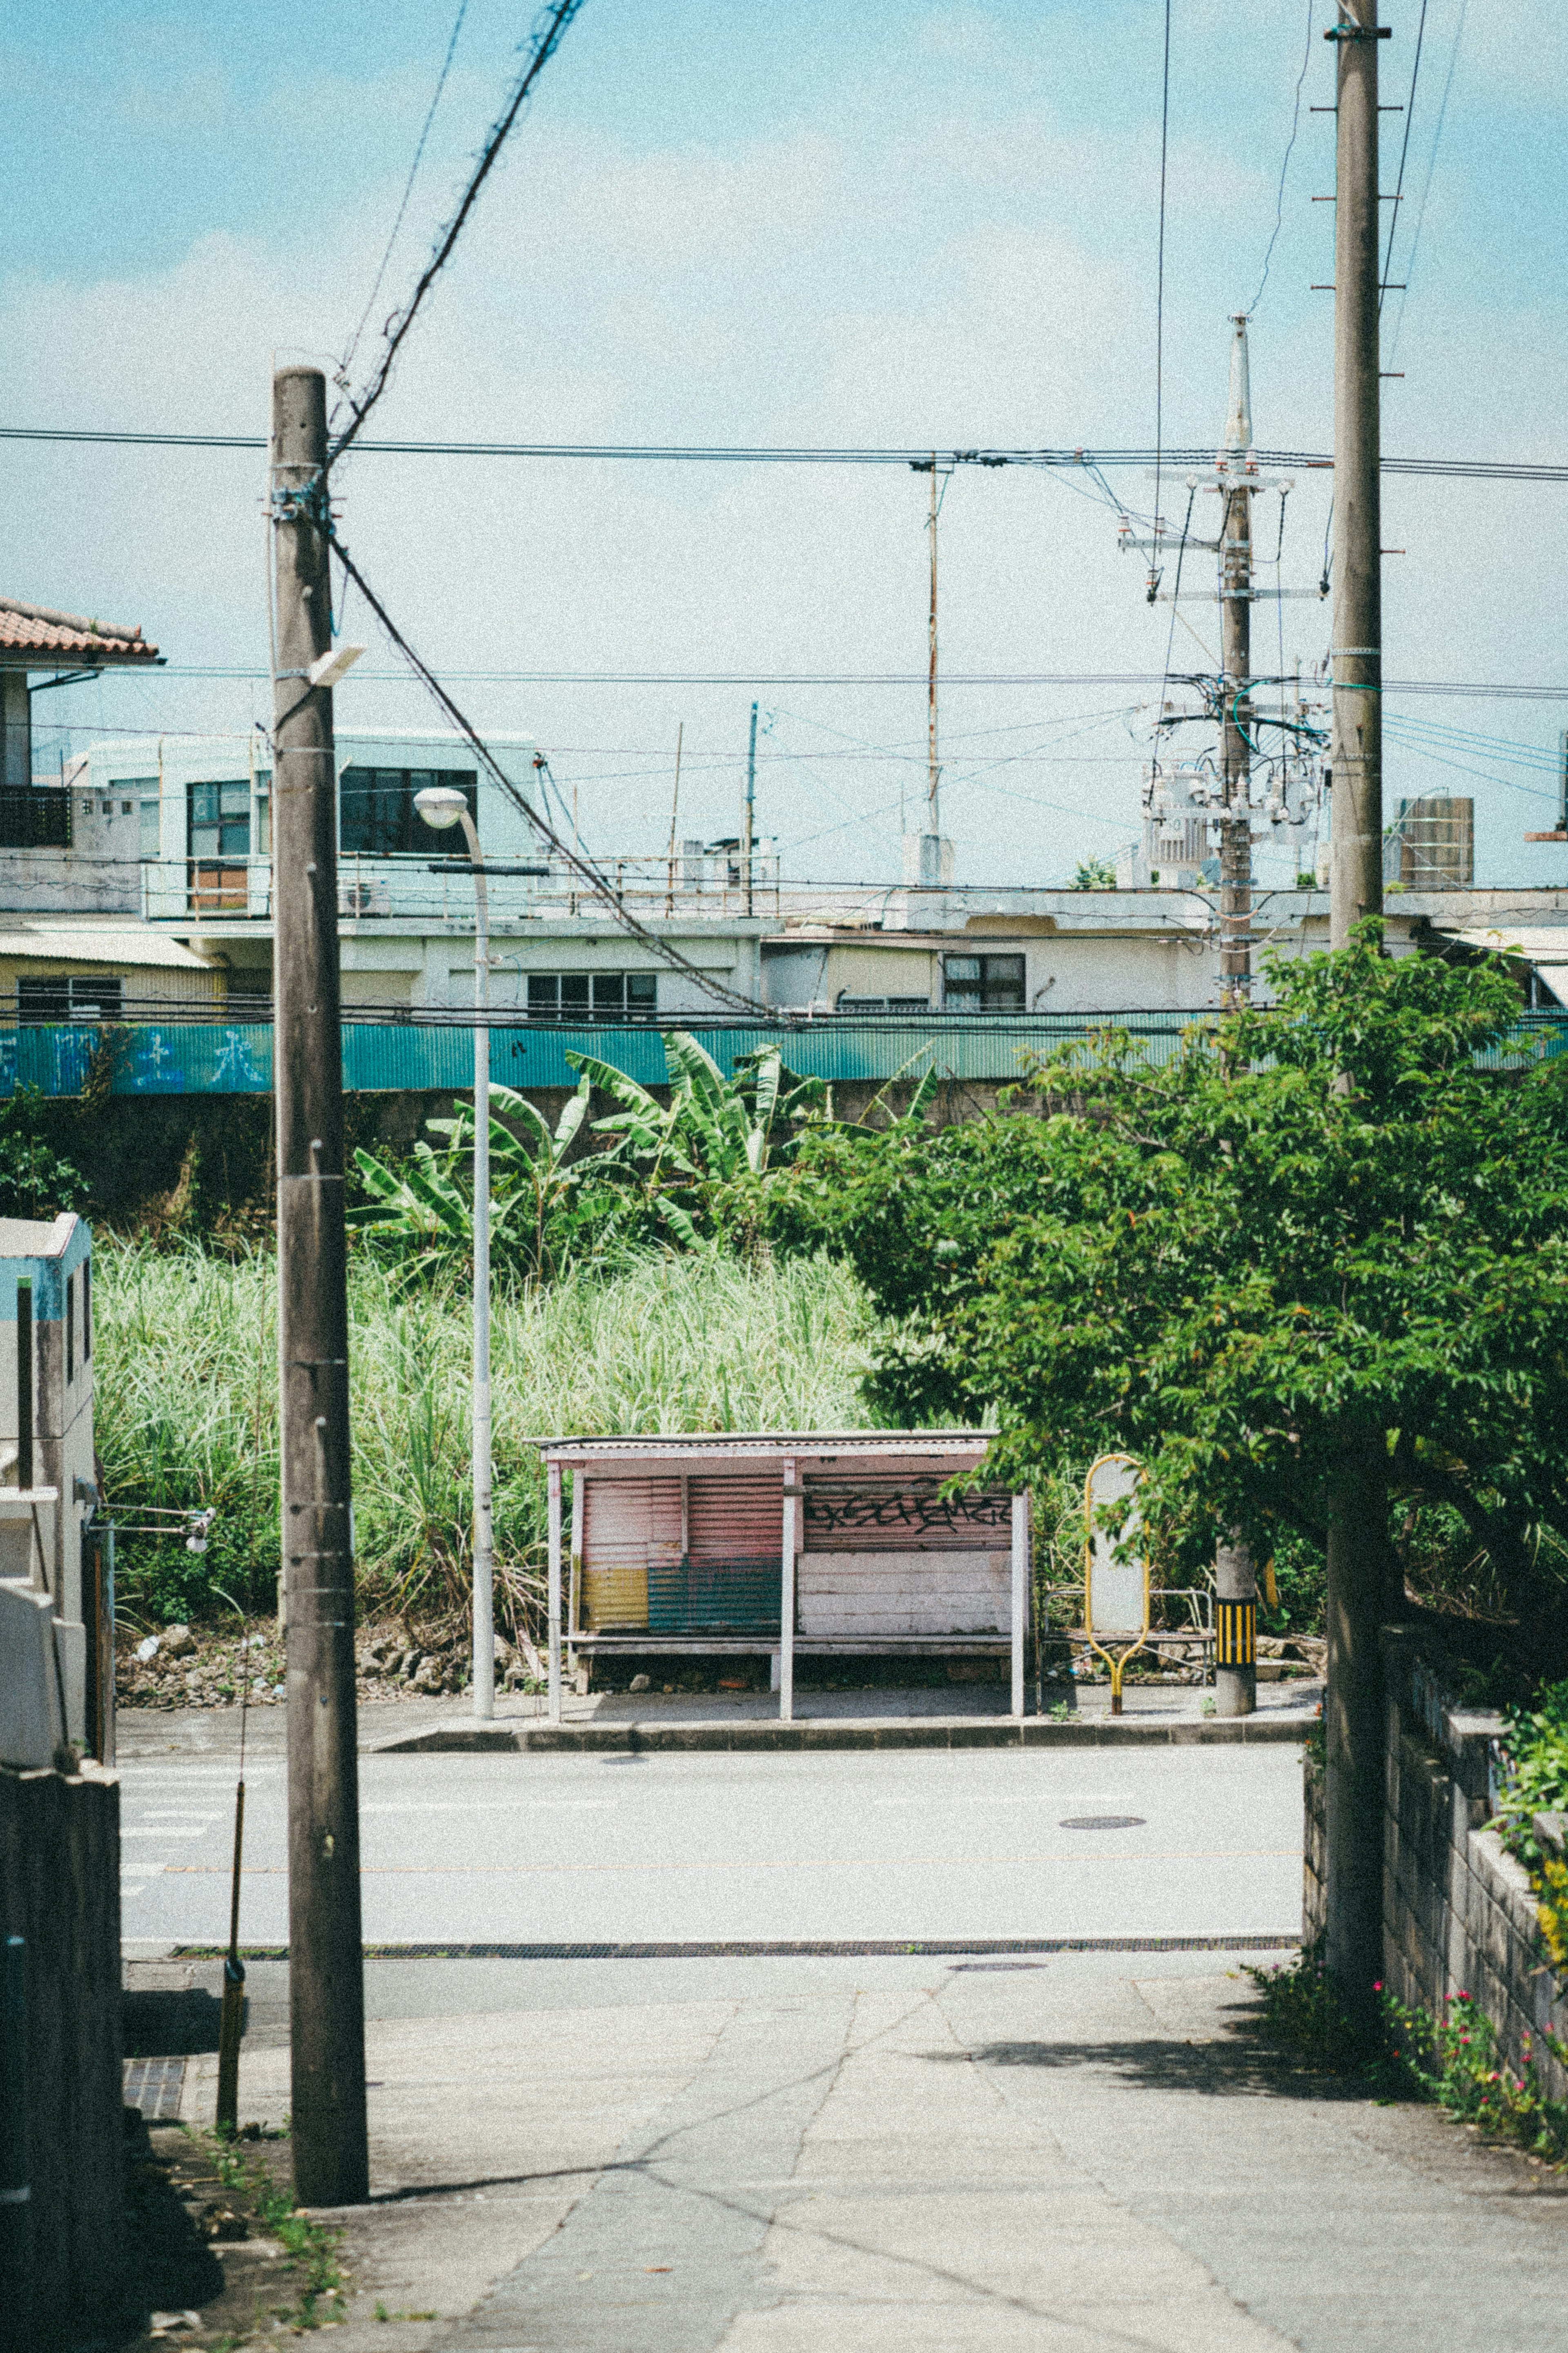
[1236, 649]
[1356, 833]
[1358, 1501]
[326, 1973]
[749, 823]
[933, 767]
[1236, 1578]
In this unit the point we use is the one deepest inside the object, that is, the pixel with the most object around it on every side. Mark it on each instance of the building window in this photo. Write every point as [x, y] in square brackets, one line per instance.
[219, 845]
[70, 1327]
[264, 812]
[377, 818]
[983, 984]
[845, 1003]
[593, 996]
[69, 997]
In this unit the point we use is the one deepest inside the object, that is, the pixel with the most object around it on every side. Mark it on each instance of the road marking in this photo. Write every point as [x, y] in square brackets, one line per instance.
[794, 1862]
[518, 1806]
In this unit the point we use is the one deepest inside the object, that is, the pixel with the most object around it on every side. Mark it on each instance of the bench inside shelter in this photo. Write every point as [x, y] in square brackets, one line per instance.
[784, 1545]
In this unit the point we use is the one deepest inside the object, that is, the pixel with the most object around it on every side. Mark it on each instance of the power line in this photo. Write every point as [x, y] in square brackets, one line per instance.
[347, 362]
[1404, 152]
[1285, 166]
[548, 29]
[1427, 189]
[570, 855]
[1160, 275]
[757, 678]
[679, 453]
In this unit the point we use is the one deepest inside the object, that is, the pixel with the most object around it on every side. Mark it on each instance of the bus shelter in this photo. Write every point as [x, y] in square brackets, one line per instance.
[821, 1545]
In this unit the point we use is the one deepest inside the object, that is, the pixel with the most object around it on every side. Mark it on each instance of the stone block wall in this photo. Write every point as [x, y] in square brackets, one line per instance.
[60, 1889]
[1458, 1912]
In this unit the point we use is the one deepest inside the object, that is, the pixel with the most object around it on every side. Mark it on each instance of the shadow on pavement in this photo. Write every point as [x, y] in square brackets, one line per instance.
[1242, 2064]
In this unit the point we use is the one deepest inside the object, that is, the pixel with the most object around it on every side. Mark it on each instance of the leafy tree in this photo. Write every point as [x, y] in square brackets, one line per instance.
[1314, 1263]
[1093, 874]
[35, 1181]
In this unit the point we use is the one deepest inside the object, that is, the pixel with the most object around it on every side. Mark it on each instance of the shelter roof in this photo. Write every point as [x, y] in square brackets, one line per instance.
[917, 1450]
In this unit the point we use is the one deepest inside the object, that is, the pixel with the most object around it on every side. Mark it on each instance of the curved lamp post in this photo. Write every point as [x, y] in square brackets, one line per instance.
[441, 806]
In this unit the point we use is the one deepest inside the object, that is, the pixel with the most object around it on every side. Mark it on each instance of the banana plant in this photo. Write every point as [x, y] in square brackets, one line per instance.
[714, 1137]
[428, 1202]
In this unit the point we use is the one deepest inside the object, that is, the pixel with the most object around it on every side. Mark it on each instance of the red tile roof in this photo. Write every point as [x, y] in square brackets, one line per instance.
[41, 637]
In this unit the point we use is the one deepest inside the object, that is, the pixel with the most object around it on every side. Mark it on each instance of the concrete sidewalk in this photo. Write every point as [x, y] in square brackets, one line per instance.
[909, 1716]
[890, 2155]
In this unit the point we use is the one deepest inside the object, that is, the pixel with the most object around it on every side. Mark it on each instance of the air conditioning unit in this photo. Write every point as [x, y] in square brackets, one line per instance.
[364, 899]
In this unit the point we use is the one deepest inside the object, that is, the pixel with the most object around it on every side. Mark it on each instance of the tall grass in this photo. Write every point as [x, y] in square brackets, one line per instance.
[186, 1378]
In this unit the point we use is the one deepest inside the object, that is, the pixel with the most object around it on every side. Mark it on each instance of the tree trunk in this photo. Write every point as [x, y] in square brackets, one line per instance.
[1353, 1728]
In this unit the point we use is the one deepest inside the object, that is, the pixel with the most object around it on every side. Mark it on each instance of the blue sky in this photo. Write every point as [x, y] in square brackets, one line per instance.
[800, 224]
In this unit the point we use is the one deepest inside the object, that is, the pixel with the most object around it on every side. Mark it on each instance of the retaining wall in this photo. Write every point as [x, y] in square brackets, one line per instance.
[1458, 1912]
[59, 1888]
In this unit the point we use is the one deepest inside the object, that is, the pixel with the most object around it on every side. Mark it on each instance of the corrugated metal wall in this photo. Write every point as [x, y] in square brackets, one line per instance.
[235, 1058]
[890, 1515]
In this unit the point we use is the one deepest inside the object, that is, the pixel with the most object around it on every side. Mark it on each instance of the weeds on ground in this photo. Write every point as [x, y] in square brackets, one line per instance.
[312, 2247]
[1450, 2058]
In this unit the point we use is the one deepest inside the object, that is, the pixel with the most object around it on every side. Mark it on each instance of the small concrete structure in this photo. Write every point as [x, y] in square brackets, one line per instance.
[46, 1477]
[823, 1544]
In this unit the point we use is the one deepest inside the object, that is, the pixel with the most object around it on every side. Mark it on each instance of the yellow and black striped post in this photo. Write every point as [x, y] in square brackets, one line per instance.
[1235, 1629]
[1235, 1634]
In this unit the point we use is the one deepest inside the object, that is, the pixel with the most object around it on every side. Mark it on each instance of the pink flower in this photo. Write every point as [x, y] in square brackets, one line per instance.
[1377, 1985]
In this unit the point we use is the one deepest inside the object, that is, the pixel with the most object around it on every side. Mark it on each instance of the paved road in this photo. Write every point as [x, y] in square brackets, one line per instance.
[1084, 2154]
[840, 1847]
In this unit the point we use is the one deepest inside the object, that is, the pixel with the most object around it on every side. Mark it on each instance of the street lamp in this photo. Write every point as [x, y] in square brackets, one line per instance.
[441, 806]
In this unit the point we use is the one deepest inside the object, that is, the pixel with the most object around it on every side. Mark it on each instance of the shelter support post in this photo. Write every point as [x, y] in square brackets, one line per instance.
[786, 1598]
[574, 1582]
[1020, 1595]
[554, 1663]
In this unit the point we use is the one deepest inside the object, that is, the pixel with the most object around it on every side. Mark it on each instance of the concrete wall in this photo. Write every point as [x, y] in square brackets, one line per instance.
[1459, 1913]
[59, 1888]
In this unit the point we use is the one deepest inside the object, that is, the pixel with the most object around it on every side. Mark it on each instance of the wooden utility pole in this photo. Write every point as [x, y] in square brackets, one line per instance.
[1358, 1504]
[326, 1967]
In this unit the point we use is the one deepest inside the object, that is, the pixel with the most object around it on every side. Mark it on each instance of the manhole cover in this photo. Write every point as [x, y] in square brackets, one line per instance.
[1102, 1822]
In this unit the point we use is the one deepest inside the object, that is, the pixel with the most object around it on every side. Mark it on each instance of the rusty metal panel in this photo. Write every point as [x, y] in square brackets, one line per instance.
[735, 1517]
[629, 1525]
[868, 1514]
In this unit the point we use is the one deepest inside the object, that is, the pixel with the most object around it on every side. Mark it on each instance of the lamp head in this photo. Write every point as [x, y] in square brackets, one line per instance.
[441, 806]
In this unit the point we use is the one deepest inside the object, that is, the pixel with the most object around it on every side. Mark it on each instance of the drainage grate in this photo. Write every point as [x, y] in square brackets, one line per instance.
[154, 2085]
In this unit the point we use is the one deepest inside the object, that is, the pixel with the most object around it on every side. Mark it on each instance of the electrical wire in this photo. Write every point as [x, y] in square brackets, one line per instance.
[548, 32]
[1064, 461]
[1159, 271]
[1285, 166]
[597, 882]
[1404, 152]
[1426, 190]
[348, 358]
